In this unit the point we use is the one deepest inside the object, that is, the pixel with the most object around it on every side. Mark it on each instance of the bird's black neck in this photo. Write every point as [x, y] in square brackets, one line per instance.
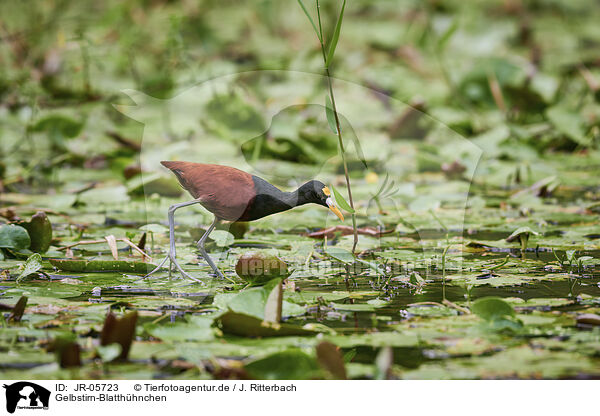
[270, 200]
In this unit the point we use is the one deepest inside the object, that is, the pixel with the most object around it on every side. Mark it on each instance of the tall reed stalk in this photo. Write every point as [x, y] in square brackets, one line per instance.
[331, 109]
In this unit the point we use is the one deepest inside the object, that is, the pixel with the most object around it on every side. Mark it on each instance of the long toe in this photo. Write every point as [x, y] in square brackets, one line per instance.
[184, 274]
[218, 275]
[157, 268]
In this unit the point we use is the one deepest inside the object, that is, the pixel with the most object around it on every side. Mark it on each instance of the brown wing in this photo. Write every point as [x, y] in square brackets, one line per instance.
[223, 190]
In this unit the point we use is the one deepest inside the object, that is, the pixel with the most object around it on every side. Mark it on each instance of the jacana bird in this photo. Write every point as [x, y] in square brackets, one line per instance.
[233, 195]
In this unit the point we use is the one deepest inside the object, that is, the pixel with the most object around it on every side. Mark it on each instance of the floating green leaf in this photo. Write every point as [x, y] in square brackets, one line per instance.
[292, 364]
[180, 331]
[492, 308]
[14, 237]
[101, 265]
[250, 326]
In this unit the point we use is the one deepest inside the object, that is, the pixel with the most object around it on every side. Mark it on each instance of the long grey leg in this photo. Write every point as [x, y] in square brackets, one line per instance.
[203, 251]
[172, 252]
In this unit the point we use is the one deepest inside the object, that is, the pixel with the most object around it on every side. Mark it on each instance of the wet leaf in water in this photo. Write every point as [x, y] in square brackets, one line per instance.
[180, 332]
[102, 266]
[492, 308]
[292, 364]
[14, 237]
[249, 326]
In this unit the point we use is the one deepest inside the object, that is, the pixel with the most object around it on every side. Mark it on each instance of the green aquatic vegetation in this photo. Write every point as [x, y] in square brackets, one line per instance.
[571, 260]
[31, 266]
[484, 182]
[497, 313]
[14, 237]
[522, 235]
[330, 106]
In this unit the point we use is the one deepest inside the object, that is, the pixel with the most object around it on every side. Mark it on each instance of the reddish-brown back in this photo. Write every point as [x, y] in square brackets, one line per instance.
[223, 190]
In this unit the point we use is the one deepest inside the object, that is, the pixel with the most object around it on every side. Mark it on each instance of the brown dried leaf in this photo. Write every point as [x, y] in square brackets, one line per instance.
[112, 244]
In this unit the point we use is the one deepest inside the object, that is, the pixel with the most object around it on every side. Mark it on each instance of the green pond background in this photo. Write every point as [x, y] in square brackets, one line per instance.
[471, 131]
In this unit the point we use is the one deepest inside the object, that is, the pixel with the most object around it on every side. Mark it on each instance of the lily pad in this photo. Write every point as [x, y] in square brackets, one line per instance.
[292, 364]
[249, 326]
[14, 237]
[102, 266]
[180, 332]
[492, 308]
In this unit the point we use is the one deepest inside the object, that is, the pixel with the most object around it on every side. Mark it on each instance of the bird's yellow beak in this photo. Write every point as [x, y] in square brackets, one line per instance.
[334, 209]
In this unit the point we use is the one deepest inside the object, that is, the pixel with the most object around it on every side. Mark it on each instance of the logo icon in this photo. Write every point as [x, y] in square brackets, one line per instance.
[26, 395]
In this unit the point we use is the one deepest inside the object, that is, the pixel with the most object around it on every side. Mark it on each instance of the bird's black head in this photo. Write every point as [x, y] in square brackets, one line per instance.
[312, 192]
[317, 193]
